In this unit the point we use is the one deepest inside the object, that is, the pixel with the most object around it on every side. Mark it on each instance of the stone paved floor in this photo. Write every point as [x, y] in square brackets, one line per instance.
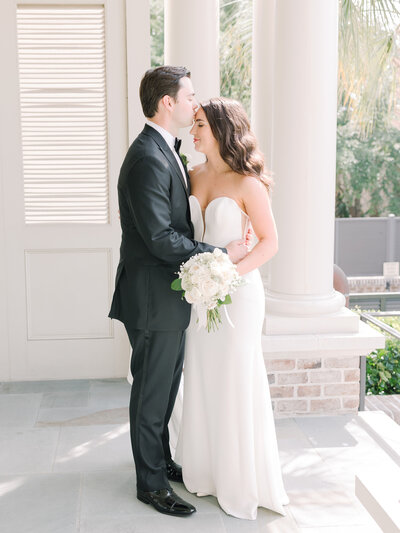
[66, 467]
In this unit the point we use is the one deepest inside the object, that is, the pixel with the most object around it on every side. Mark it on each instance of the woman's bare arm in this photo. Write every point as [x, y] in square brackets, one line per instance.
[258, 207]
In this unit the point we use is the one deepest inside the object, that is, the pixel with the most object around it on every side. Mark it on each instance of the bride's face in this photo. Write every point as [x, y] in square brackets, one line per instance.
[204, 140]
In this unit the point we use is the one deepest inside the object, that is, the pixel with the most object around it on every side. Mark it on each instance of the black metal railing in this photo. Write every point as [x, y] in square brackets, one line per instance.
[381, 301]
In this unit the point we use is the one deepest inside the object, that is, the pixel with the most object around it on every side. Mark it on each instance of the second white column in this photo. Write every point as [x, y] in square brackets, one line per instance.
[192, 40]
[300, 138]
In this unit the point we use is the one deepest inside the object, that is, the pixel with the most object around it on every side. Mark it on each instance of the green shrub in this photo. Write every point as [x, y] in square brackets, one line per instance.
[383, 366]
[393, 321]
[383, 369]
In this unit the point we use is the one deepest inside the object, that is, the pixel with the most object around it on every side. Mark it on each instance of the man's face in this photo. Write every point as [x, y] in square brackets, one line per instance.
[185, 104]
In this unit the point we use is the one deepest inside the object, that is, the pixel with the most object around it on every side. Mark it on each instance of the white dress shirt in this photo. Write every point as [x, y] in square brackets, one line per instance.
[170, 140]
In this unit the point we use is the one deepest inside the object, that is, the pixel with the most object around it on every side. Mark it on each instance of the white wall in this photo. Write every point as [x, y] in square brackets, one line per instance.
[4, 354]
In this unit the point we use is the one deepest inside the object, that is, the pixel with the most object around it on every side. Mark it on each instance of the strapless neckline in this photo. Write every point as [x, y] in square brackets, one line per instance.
[203, 217]
[218, 198]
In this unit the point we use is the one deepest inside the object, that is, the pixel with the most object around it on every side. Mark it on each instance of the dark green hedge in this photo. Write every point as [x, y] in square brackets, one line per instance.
[383, 369]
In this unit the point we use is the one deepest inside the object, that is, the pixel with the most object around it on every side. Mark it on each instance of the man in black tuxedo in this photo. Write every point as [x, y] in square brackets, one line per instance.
[157, 236]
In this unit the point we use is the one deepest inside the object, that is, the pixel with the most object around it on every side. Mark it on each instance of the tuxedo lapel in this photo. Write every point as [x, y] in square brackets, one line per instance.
[148, 130]
[187, 180]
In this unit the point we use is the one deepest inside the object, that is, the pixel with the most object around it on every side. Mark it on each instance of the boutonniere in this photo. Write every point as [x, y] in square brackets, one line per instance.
[186, 160]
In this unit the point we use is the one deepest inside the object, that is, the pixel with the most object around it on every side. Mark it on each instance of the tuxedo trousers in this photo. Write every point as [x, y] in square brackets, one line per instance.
[156, 366]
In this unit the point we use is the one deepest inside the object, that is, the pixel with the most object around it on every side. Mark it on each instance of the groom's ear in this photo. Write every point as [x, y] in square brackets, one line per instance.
[167, 102]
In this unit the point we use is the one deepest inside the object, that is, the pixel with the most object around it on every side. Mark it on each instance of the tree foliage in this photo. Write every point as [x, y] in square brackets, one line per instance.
[157, 32]
[235, 50]
[367, 71]
[367, 169]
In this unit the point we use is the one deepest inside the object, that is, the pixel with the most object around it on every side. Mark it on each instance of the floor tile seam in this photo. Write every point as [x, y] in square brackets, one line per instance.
[152, 513]
[119, 424]
[314, 449]
[70, 394]
[38, 474]
[38, 409]
[87, 411]
[55, 452]
[94, 471]
[20, 428]
[304, 433]
[323, 529]
[335, 524]
[70, 426]
[289, 514]
[49, 425]
[22, 394]
[79, 505]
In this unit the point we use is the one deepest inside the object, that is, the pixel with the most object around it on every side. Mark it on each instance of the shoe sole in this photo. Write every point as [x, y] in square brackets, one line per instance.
[148, 502]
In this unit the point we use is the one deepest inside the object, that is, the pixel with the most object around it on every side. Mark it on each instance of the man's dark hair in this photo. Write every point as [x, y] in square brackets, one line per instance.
[156, 83]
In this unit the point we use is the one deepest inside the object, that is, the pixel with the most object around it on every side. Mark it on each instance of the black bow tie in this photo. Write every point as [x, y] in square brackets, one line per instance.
[177, 145]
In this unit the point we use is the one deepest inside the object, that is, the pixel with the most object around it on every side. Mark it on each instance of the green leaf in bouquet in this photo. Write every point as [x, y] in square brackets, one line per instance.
[228, 300]
[176, 285]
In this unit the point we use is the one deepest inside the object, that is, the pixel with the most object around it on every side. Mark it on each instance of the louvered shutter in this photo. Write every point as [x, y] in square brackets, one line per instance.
[61, 52]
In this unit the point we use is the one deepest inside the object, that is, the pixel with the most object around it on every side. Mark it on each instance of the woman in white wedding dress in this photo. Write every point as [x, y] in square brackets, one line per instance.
[227, 443]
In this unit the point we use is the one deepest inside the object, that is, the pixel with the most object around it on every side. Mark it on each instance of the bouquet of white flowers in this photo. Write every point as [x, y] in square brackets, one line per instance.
[207, 281]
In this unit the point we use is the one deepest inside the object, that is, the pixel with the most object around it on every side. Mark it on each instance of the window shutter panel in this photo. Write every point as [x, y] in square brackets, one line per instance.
[61, 53]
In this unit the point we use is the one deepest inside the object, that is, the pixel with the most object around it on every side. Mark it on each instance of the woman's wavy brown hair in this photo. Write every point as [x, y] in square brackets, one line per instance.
[237, 143]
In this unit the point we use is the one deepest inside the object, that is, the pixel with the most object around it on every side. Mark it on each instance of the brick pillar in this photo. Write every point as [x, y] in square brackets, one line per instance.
[314, 386]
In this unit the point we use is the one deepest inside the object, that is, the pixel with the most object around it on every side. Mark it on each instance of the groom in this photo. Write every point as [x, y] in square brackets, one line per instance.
[157, 236]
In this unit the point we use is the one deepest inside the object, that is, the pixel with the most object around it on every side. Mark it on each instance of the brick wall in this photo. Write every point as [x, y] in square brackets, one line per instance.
[314, 386]
[373, 284]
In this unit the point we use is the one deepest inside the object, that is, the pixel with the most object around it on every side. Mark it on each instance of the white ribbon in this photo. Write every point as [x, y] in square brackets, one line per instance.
[228, 317]
[201, 311]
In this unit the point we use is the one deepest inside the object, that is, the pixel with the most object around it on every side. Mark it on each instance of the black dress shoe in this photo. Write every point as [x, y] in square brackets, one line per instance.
[167, 502]
[174, 471]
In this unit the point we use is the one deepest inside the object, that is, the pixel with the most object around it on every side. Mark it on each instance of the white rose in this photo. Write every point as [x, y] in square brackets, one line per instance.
[200, 275]
[223, 291]
[216, 269]
[192, 296]
[208, 288]
[194, 268]
[223, 258]
[185, 283]
[217, 252]
[223, 272]
[227, 276]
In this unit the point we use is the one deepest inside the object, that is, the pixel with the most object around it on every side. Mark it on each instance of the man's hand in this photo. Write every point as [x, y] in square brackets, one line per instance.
[237, 250]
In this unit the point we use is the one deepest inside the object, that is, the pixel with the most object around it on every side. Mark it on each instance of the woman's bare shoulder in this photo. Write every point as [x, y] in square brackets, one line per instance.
[251, 185]
[195, 171]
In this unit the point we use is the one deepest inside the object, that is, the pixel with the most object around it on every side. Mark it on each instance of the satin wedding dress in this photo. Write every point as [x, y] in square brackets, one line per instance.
[227, 443]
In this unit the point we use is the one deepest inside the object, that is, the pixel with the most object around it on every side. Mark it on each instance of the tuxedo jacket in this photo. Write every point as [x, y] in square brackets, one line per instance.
[157, 236]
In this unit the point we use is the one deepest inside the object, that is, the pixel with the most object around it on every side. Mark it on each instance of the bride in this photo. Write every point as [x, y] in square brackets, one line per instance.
[227, 443]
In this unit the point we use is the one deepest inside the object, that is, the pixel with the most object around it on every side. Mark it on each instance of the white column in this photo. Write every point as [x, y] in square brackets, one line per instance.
[294, 110]
[263, 74]
[138, 60]
[191, 39]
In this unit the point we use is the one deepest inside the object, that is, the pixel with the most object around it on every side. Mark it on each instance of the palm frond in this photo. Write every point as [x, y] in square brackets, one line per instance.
[367, 47]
